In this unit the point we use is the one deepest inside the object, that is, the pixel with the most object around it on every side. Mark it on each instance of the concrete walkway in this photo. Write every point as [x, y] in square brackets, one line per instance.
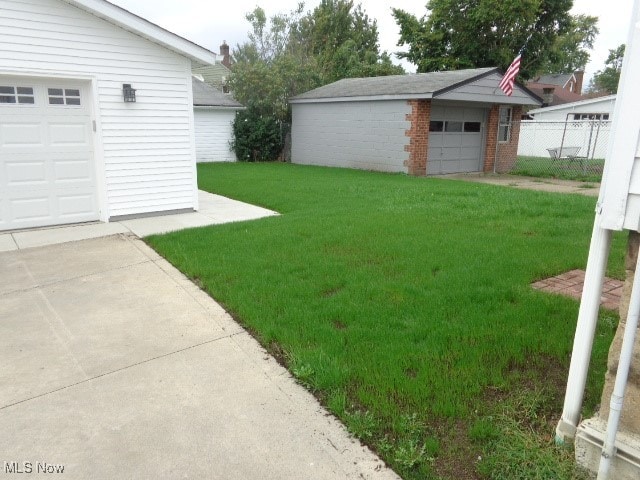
[115, 365]
[530, 183]
[214, 210]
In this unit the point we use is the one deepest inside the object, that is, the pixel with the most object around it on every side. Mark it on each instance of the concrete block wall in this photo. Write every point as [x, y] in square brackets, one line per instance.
[365, 135]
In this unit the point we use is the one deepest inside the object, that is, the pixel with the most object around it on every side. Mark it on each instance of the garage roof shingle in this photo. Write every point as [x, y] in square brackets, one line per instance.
[207, 96]
[394, 85]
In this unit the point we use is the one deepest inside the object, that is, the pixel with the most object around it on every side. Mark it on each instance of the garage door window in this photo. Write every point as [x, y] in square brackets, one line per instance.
[472, 127]
[64, 96]
[14, 94]
[436, 126]
[453, 127]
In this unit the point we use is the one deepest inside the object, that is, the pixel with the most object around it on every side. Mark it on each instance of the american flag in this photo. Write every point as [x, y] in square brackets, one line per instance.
[506, 84]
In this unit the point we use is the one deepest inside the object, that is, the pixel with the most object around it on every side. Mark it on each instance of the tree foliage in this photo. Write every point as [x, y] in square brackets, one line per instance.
[344, 41]
[570, 51]
[288, 54]
[459, 34]
[606, 81]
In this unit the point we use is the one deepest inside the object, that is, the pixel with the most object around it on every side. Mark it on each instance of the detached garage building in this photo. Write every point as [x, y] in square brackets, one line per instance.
[423, 124]
[214, 113]
[96, 114]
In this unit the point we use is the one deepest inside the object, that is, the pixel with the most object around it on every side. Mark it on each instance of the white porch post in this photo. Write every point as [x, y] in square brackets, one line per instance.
[585, 331]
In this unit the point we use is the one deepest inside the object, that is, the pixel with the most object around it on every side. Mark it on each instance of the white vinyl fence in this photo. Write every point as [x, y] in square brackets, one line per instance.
[589, 136]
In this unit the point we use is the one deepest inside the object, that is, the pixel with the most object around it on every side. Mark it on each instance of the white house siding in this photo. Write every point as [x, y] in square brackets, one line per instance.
[365, 135]
[147, 148]
[485, 90]
[214, 133]
[559, 113]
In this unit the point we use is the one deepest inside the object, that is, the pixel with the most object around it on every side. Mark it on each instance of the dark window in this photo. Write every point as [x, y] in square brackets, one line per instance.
[453, 127]
[436, 126]
[66, 96]
[472, 127]
[23, 95]
[591, 116]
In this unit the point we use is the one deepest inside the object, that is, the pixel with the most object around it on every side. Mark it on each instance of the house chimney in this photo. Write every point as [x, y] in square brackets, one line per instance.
[224, 53]
[547, 96]
[577, 88]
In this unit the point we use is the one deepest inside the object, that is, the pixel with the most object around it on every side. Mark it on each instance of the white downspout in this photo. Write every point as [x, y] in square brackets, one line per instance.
[617, 397]
[585, 332]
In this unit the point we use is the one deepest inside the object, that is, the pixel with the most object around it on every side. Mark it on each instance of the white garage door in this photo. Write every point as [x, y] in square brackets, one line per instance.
[47, 172]
[456, 140]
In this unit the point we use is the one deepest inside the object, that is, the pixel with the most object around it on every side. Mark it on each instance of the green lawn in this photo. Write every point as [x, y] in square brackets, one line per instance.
[404, 304]
[587, 171]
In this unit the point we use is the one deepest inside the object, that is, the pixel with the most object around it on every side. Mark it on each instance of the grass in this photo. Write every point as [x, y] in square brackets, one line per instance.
[543, 167]
[404, 304]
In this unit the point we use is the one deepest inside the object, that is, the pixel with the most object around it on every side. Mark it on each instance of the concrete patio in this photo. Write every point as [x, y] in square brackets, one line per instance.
[214, 210]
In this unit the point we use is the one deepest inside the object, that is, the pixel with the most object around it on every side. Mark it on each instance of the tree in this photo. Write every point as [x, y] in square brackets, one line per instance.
[288, 54]
[483, 33]
[272, 66]
[570, 51]
[344, 41]
[606, 81]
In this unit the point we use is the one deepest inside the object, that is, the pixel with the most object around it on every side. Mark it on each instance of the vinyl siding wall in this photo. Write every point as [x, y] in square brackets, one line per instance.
[148, 147]
[485, 90]
[366, 135]
[214, 133]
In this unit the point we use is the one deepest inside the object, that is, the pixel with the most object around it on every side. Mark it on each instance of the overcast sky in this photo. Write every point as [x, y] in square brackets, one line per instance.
[208, 23]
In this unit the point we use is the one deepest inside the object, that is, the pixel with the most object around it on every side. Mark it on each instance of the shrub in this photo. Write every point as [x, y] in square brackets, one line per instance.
[256, 137]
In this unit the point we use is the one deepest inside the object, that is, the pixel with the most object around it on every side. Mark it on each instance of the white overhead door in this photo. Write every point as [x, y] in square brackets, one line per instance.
[456, 140]
[47, 171]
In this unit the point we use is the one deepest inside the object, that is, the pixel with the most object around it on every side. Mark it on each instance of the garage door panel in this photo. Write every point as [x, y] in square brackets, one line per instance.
[47, 171]
[21, 134]
[73, 207]
[68, 171]
[25, 173]
[68, 134]
[452, 140]
[33, 208]
[471, 140]
[456, 150]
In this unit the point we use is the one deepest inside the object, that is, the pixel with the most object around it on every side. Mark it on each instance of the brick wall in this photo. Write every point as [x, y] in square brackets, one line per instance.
[418, 135]
[504, 156]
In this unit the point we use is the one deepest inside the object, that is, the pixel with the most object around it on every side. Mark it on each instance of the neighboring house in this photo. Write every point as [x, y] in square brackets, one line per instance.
[217, 75]
[420, 124]
[600, 108]
[213, 113]
[73, 146]
[556, 89]
[570, 125]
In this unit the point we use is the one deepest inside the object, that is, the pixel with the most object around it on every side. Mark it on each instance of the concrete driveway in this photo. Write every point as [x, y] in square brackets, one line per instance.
[114, 365]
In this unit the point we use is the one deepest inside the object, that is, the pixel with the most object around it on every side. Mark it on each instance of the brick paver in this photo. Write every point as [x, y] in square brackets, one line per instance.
[571, 283]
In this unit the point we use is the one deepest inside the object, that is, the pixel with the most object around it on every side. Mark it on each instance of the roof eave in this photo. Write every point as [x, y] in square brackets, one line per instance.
[140, 26]
[220, 107]
[363, 98]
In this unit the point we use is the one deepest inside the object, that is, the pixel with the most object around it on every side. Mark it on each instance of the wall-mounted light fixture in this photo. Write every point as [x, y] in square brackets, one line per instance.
[128, 93]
